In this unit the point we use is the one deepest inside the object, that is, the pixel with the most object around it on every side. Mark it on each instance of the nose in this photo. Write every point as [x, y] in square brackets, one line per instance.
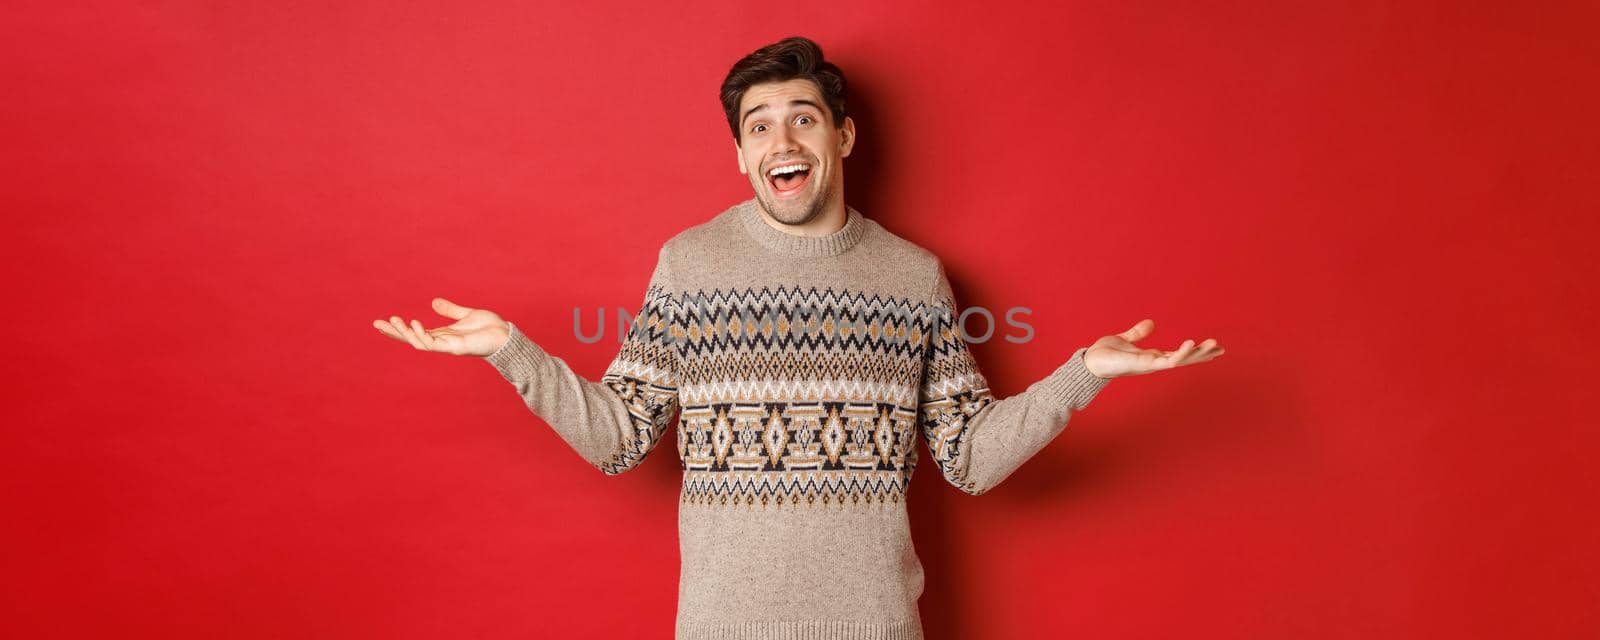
[783, 142]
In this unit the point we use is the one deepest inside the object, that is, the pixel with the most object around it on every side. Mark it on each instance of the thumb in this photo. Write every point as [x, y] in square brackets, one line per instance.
[1139, 331]
[450, 309]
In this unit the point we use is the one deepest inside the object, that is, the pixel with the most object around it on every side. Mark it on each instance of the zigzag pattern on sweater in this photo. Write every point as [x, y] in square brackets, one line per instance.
[644, 374]
[793, 488]
[795, 395]
[756, 390]
[784, 318]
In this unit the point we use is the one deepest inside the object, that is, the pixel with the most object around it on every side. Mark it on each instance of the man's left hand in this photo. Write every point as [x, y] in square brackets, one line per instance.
[1116, 356]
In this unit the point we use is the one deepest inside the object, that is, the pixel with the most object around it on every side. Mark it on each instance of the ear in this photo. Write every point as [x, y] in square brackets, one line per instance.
[847, 137]
[738, 156]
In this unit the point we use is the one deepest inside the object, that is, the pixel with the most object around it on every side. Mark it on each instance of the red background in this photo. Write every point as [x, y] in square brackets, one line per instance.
[1384, 211]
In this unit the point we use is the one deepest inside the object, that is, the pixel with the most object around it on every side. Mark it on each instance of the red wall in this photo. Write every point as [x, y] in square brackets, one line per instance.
[1384, 211]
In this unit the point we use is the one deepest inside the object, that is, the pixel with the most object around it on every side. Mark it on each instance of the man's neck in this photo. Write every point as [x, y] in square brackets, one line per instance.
[829, 221]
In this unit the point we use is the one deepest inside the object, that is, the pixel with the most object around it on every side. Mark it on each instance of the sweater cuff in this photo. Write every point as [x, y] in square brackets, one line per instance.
[1072, 384]
[519, 358]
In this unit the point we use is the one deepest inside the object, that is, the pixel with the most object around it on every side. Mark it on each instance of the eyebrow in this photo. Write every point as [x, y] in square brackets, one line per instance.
[797, 101]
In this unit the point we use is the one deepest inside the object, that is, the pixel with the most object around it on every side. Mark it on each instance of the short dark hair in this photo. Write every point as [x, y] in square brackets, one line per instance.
[787, 59]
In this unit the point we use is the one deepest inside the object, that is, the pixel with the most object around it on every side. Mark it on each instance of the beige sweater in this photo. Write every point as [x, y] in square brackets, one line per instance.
[805, 368]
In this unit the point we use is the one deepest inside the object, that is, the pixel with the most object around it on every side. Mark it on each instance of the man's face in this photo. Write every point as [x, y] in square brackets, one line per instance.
[785, 126]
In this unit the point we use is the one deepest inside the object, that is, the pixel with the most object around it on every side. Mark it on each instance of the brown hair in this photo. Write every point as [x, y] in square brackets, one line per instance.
[787, 59]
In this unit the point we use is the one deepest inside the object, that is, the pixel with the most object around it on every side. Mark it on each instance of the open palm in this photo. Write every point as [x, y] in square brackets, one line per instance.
[1117, 355]
[475, 332]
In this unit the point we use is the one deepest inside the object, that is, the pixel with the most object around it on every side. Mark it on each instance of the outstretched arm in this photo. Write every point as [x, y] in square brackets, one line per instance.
[978, 440]
[615, 422]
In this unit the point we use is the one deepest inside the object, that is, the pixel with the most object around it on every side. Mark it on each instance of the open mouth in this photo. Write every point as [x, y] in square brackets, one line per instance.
[789, 179]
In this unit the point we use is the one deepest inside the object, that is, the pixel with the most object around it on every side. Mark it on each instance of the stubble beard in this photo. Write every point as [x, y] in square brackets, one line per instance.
[809, 213]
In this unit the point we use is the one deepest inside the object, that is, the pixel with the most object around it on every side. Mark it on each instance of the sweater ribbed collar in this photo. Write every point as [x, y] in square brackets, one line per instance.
[855, 226]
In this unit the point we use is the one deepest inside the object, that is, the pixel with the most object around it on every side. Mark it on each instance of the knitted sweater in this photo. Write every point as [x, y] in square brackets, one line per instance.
[804, 370]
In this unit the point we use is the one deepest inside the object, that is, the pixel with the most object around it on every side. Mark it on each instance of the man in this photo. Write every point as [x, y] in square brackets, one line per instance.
[807, 348]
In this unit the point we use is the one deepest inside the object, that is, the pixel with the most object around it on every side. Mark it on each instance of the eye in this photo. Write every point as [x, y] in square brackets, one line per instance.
[805, 118]
[758, 128]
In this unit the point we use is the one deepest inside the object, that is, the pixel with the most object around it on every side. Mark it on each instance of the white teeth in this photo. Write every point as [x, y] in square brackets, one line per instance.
[788, 169]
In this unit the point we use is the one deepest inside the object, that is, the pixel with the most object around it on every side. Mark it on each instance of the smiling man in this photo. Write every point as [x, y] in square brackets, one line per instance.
[806, 351]
[792, 151]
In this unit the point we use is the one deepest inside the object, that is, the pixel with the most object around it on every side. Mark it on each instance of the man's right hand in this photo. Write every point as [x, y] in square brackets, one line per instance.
[476, 332]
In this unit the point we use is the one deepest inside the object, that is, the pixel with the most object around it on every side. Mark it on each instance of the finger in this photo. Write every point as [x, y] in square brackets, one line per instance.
[450, 309]
[422, 335]
[1139, 331]
[387, 329]
[1183, 352]
[400, 326]
[1206, 350]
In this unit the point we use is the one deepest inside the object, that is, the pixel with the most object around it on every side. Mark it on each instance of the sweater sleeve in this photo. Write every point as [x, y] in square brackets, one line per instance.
[616, 421]
[978, 440]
